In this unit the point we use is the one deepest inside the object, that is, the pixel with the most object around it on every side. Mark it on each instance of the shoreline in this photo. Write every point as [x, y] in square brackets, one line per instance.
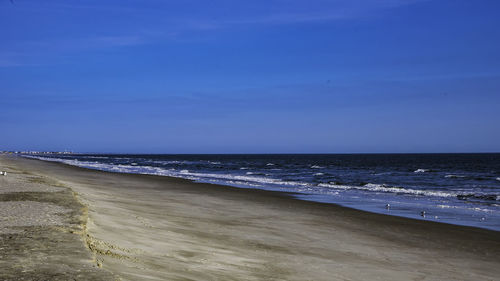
[289, 194]
[161, 227]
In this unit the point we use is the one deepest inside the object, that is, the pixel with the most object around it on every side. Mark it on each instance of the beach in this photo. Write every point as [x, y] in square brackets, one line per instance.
[99, 225]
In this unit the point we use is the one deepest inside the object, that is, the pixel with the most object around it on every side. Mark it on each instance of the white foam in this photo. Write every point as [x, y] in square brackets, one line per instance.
[361, 195]
[122, 168]
[250, 179]
[384, 188]
[247, 178]
[162, 162]
[466, 208]
[316, 167]
[454, 176]
[318, 174]
[421, 171]
[269, 164]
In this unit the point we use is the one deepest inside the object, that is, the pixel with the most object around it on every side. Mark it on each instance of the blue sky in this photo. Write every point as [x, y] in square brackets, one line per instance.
[228, 76]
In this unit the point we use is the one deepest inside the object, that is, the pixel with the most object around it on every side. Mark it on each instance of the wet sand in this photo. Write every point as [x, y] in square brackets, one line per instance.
[142, 227]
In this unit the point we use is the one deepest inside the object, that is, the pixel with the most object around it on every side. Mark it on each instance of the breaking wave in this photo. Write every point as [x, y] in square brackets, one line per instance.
[359, 184]
[421, 171]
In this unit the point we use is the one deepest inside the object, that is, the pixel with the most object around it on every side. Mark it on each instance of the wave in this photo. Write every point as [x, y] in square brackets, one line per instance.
[180, 162]
[383, 174]
[384, 188]
[470, 177]
[401, 190]
[166, 162]
[95, 157]
[119, 168]
[255, 173]
[454, 176]
[462, 207]
[316, 167]
[486, 197]
[421, 171]
[263, 180]
[247, 178]
[123, 168]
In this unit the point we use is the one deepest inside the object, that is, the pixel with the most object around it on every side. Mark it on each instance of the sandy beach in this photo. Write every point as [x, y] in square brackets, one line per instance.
[42, 229]
[60, 221]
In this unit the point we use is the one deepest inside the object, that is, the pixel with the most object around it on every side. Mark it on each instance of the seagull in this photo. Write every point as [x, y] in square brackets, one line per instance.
[422, 214]
[388, 206]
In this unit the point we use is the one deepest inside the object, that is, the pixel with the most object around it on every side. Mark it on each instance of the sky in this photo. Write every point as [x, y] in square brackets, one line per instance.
[261, 76]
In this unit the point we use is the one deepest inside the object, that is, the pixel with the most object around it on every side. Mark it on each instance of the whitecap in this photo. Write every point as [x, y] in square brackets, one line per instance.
[454, 176]
[390, 189]
[421, 171]
[316, 167]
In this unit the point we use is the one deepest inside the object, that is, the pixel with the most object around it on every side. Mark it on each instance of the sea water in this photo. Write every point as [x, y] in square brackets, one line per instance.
[461, 189]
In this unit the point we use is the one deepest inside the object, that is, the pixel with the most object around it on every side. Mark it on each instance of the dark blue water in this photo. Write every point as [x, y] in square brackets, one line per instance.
[454, 188]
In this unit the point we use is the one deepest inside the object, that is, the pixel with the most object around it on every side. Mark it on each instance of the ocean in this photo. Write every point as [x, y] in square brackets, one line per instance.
[461, 189]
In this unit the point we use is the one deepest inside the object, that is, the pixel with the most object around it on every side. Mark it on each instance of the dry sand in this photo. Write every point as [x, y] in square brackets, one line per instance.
[42, 230]
[158, 228]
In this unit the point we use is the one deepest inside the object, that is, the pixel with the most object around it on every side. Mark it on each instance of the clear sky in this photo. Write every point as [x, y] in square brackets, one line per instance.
[260, 76]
